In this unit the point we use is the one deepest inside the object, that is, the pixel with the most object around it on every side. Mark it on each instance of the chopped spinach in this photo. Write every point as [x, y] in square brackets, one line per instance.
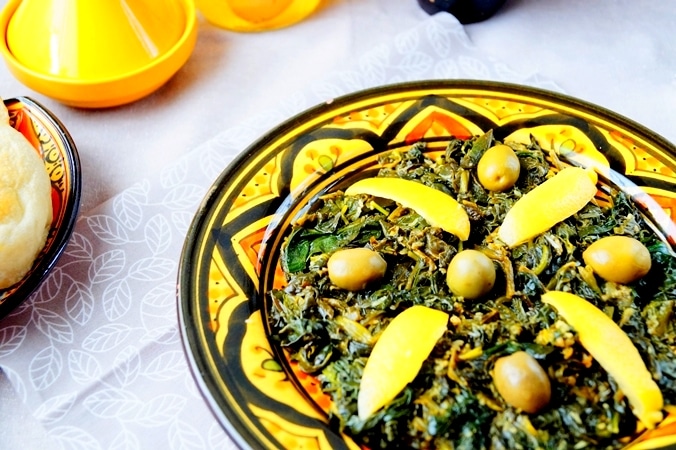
[452, 403]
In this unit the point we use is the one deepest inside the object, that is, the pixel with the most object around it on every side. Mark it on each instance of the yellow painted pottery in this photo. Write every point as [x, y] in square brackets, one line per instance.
[97, 54]
[256, 15]
[231, 257]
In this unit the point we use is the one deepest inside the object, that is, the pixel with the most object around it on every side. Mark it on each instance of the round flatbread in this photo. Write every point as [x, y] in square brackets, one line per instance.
[25, 203]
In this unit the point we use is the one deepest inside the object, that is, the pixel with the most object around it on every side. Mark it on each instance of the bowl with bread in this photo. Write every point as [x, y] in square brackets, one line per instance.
[39, 196]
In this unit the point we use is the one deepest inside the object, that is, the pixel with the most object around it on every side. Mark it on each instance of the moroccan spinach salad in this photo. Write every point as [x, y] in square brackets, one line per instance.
[457, 399]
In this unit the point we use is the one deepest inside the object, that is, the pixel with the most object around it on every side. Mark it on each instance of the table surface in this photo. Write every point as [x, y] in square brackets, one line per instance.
[615, 53]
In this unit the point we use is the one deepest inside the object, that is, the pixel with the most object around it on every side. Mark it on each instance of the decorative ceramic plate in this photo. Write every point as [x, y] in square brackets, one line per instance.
[231, 254]
[51, 140]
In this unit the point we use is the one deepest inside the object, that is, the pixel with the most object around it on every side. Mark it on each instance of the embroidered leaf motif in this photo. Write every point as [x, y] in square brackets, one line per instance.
[52, 325]
[160, 410]
[108, 229]
[79, 247]
[17, 383]
[213, 160]
[474, 67]
[166, 366]
[55, 408]
[116, 299]
[79, 302]
[379, 56]
[407, 42]
[127, 366]
[83, 367]
[11, 338]
[114, 404]
[446, 67]
[162, 335]
[158, 307]
[125, 440]
[157, 234]
[183, 196]
[353, 79]
[128, 205]
[151, 269]
[129, 212]
[182, 221]
[106, 337]
[184, 436]
[106, 266]
[439, 39]
[45, 368]
[50, 288]
[416, 63]
[74, 438]
[446, 39]
[174, 175]
[218, 438]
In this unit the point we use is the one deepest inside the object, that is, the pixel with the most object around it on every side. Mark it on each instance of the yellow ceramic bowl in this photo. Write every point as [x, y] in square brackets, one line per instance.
[97, 54]
[256, 15]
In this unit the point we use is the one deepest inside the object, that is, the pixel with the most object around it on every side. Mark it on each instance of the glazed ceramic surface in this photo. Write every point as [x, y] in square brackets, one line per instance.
[52, 141]
[230, 257]
[260, 15]
[97, 54]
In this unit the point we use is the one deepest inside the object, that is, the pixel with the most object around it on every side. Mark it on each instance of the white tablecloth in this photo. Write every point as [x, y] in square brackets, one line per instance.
[93, 359]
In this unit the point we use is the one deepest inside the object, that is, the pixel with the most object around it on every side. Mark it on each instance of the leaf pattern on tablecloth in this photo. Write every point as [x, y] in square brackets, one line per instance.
[446, 68]
[106, 337]
[183, 196]
[11, 338]
[407, 42]
[108, 229]
[154, 311]
[182, 221]
[152, 269]
[79, 302]
[83, 367]
[45, 368]
[104, 323]
[55, 408]
[113, 403]
[184, 436]
[18, 383]
[107, 266]
[127, 366]
[125, 440]
[128, 206]
[79, 247]
[165, 366]
[161, 410]
[173, 175]
[51, 287]
[117, 300]
[53, 325]
[74, 438]
[157, 233]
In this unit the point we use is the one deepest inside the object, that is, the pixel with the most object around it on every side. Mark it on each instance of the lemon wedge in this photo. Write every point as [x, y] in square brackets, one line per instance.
[398, 355]
[437, 208]
[614, 351]
[556, 199]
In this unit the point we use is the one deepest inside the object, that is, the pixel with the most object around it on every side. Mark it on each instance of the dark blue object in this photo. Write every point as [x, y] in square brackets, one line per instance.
[466, 11]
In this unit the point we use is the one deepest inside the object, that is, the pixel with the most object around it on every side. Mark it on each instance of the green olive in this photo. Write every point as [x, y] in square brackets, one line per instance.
[621, 259]
[498, 168]
[522, 382]
[355, 268]
[470, 274]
